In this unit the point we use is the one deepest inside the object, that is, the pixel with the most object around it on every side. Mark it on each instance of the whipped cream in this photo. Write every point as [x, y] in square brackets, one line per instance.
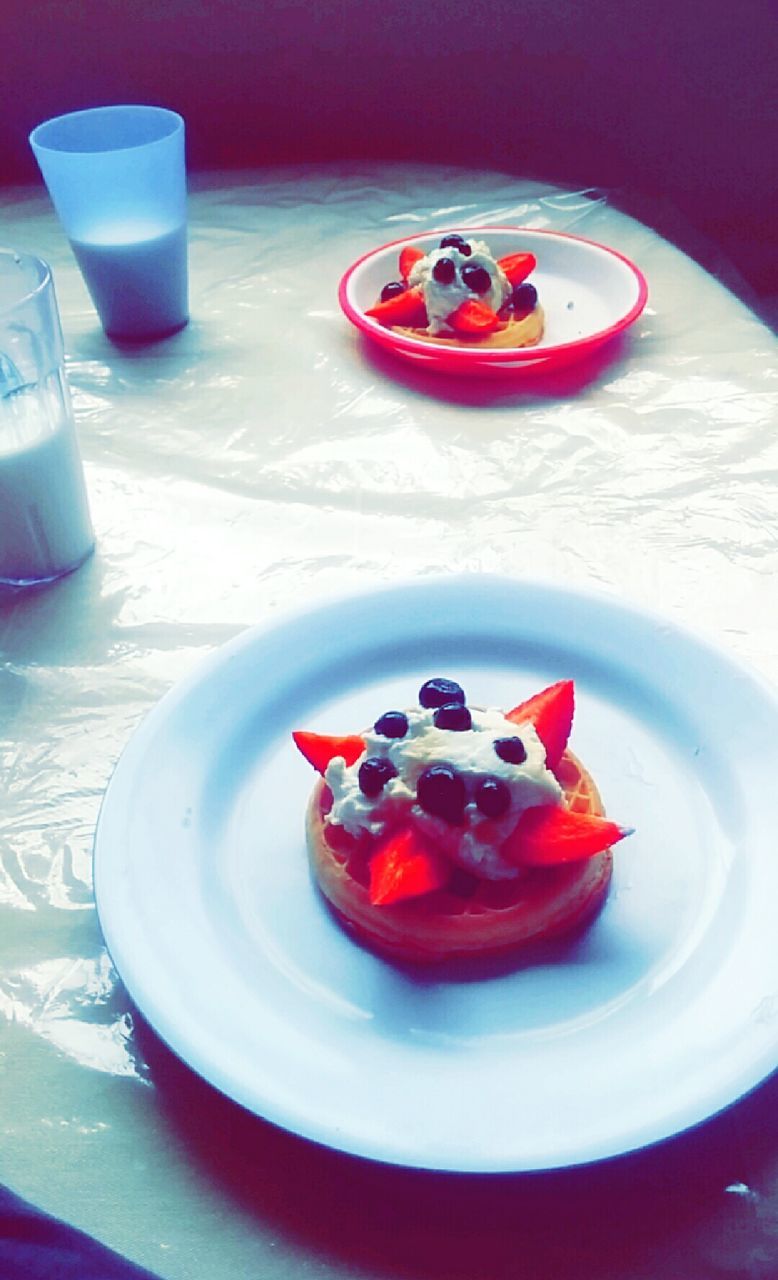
[475, 843]
[442, 299]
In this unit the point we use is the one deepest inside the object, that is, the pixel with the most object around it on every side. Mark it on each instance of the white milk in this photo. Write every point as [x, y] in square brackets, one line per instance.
[138, 283]
[45, 529]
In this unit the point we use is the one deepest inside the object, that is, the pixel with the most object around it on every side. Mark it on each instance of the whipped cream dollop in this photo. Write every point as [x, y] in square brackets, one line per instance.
[443, 299]
[474, 843]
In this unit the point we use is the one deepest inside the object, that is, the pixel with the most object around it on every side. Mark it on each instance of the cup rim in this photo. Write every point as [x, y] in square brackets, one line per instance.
[37, 135]
[44, 273]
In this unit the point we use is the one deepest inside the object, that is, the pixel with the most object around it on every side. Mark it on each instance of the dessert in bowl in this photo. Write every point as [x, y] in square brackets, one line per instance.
[570, 295]
[448, 831]
[458, 294]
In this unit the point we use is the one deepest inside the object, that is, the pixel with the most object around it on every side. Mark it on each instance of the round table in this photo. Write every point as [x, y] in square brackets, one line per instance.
[266, 455]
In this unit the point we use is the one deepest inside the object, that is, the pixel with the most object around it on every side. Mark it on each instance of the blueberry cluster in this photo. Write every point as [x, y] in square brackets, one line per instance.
[475, 278]
[441, 790]
[444, 271]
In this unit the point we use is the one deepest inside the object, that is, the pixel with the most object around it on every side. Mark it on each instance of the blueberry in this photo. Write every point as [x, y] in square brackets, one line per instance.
[374, 773]
[392, 290]
[438, 691]
[441, 792]
[524, 297]
[477, 279]
[444, 270]
[453, 715]
[455, 241]
[392, 724]
[492, 797]
[511, 750]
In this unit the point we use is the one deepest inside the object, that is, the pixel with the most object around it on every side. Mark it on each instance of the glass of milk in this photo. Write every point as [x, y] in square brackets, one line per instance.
[117, 178]
[45, 529]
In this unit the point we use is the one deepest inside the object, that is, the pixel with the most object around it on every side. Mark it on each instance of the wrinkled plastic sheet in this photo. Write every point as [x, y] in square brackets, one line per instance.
[265, 456]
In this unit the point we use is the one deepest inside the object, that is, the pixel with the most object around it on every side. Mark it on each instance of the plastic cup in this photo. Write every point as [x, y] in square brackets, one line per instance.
[45, 529]
[117, 178]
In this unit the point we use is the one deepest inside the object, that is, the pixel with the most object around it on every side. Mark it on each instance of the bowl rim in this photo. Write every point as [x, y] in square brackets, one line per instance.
[373, 329]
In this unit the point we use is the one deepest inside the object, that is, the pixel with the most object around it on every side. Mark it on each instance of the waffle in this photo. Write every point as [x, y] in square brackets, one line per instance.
[525, 332]
[469, 917]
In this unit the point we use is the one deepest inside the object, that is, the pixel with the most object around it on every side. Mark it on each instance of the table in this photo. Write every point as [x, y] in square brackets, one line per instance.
[264, 456]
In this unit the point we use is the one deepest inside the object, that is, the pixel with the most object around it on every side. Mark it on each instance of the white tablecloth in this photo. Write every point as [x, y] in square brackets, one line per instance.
[264, 456]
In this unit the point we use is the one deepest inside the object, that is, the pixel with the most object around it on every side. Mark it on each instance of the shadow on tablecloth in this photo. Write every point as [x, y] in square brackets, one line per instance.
[610, 1220]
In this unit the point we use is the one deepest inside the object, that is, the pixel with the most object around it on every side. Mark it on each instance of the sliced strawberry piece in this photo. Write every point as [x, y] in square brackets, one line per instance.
[405, 308]
[472, 316]
[320, 748]
[551, 713]
[551, 834]
[517, 266]
[405, 867]
[409, 256]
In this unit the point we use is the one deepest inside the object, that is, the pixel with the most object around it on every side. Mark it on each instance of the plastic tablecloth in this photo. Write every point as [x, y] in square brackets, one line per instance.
[264, 456]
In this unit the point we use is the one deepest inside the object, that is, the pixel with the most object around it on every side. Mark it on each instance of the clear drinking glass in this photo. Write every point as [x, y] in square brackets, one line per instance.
[45, 528]
[117, 178]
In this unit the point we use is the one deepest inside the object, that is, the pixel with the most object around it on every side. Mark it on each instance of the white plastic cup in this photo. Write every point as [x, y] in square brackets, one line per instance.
[117, 178]
[45, 529]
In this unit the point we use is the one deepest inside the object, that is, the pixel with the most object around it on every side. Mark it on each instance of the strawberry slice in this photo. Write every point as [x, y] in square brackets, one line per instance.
[551, 713]
[406, 308]
[548, 835]
[409, 256]
[517, 266]
[320, 748]
[404, 867]
[472, 316]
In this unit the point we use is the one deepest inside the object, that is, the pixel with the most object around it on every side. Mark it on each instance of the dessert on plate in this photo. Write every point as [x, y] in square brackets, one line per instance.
[449, 831]
[459, 295]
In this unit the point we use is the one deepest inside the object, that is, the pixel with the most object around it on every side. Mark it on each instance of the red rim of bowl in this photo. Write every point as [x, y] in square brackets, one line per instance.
[399, 342]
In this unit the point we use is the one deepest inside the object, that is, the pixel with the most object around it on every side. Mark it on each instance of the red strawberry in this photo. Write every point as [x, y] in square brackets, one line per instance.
[405, 308]
[472, 316]
[409, 256]
[405, 867]
[517, 266]
[551, 712]
[320, 748]
[551, 834]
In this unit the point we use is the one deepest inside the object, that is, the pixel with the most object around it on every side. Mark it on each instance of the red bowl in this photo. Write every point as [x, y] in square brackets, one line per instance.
[588, 292]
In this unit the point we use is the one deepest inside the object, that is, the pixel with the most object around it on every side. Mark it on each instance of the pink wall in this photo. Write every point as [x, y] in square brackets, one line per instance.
[669, 101]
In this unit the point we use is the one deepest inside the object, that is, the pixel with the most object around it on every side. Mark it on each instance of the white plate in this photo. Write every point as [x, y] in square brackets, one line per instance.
[663, 1013]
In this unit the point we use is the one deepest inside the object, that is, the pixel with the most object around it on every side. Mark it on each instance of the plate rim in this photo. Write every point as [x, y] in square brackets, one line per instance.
[401, 343]
[321, 1135]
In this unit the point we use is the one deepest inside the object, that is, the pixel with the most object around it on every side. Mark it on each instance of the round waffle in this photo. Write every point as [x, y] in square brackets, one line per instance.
[525, 332]
[469, 917]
